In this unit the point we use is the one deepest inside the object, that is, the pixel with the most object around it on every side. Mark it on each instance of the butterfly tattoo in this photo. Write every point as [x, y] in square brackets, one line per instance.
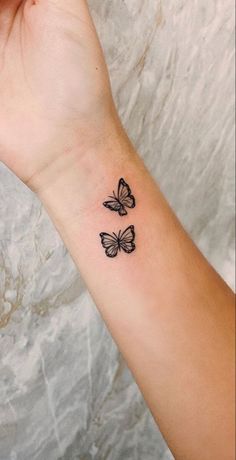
[124, 199]
[114, 243]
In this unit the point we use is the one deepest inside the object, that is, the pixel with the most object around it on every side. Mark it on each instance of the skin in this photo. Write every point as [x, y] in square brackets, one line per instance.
[53, 79]
[169, 312]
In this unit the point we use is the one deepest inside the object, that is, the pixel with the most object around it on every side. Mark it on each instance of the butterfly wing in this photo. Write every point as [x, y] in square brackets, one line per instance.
[115, 205]
[110, 244]
[124, 195]
[127, 239]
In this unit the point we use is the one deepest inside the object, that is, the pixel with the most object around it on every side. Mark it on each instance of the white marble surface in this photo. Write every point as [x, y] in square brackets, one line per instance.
[65, 392]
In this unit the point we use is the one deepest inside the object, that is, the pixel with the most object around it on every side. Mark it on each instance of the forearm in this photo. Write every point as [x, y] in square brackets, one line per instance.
[169, 312]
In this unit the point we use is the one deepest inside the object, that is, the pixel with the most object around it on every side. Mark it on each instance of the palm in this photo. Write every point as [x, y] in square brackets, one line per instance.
[52, 80]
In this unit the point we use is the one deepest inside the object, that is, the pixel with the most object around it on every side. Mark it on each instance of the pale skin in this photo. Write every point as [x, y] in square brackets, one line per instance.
[169, 312]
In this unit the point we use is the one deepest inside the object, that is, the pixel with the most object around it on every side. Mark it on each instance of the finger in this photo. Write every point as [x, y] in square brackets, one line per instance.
[8, 12]
[9, 5]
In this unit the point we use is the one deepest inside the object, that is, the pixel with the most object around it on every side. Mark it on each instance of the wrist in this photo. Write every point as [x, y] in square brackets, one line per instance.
[70, 187]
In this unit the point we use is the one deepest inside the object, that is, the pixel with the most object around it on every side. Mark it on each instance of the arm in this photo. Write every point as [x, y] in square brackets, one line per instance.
[169, 312]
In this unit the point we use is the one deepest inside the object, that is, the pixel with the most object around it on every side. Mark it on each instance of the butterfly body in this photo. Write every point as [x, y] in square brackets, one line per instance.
[117, 238]
[114, 243]
[124, 199]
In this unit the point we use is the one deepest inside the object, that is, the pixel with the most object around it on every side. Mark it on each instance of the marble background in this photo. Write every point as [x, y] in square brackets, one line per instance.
[65, 392]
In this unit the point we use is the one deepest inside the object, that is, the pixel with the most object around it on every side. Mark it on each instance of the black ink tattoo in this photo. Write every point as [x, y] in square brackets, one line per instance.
[124, 199]
[114, 243]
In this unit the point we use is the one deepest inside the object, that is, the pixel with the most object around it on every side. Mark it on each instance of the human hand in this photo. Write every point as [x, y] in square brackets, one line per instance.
[54, 87]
